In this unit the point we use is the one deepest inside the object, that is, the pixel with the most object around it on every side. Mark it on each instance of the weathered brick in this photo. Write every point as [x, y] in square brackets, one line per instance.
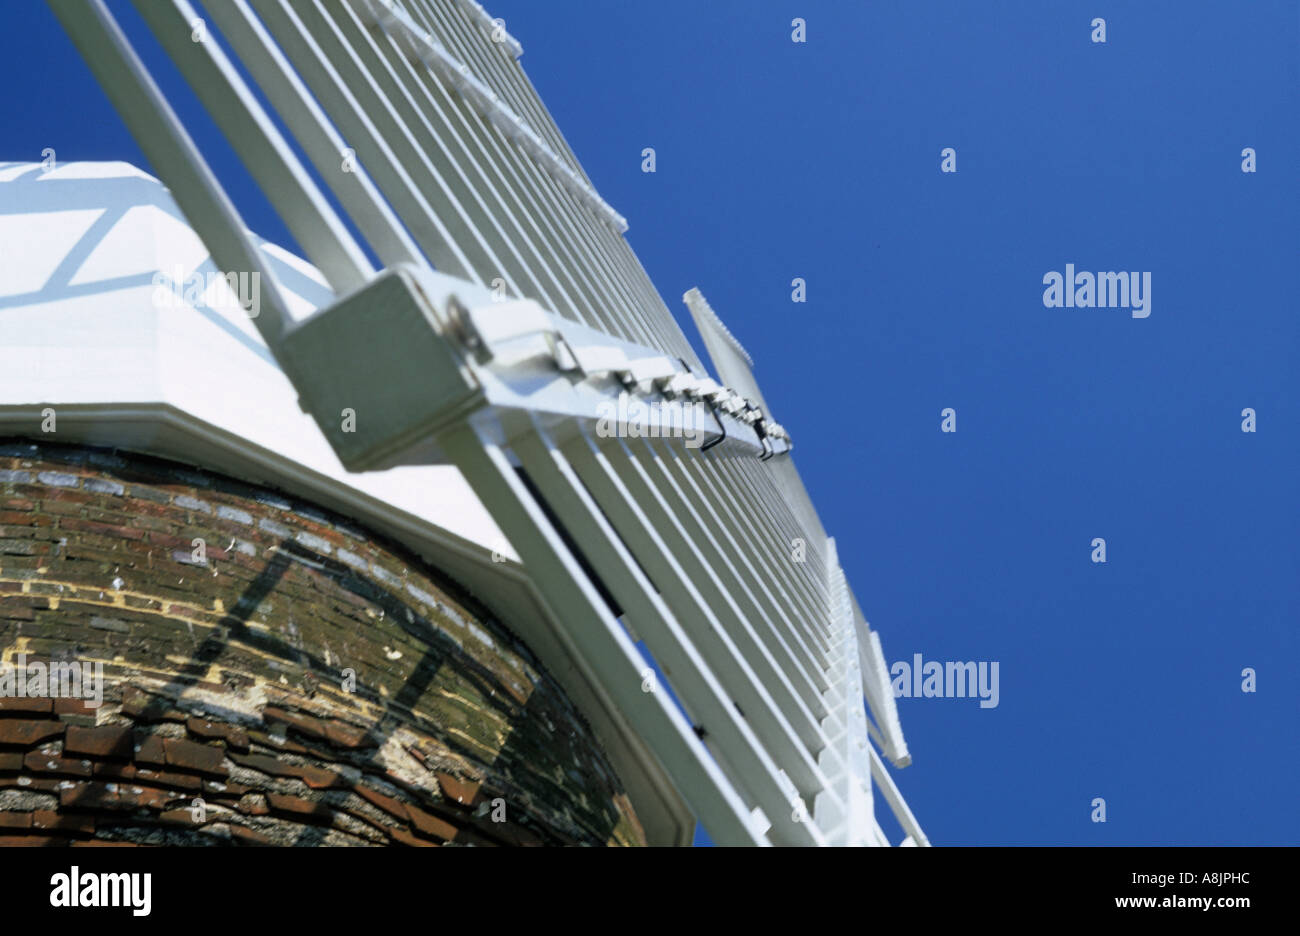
[42, 763]
[183, 817]
[419, 594]
[111, 770]
[49, 819]
[352, 559]
[63, 508]
[25, 732]
[31, 784]
[306, 724]
[402, 837]
[300, 808]
[394, 807]
[481, 635]
[15, 820]
[464, 792]
[234, 736]
[275, 529]
[200, 758]
[110, 624]
[192, 503]
[320, 779]
[242, 835]
[343, 735]
[69, 706]
[31, 841]
[130, 796]
[152, 494]
[103, 529]
[145, 707]
[224, 789]
[163, 778]
[262, 762]
[86, 795]
[272, 500]
[429, 824]
[111, 741]
[311, 541]
[149, 750]
[235, 514]
[57, 479]
[253, 804]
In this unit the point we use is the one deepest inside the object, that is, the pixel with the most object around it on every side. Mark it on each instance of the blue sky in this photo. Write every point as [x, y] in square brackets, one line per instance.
[821, 160]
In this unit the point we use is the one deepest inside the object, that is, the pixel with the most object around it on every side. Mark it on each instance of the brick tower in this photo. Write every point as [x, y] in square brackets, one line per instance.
[272, 674]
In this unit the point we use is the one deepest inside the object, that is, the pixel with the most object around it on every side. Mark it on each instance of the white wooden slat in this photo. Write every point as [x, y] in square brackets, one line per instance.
[598, 642]
[727, 734]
